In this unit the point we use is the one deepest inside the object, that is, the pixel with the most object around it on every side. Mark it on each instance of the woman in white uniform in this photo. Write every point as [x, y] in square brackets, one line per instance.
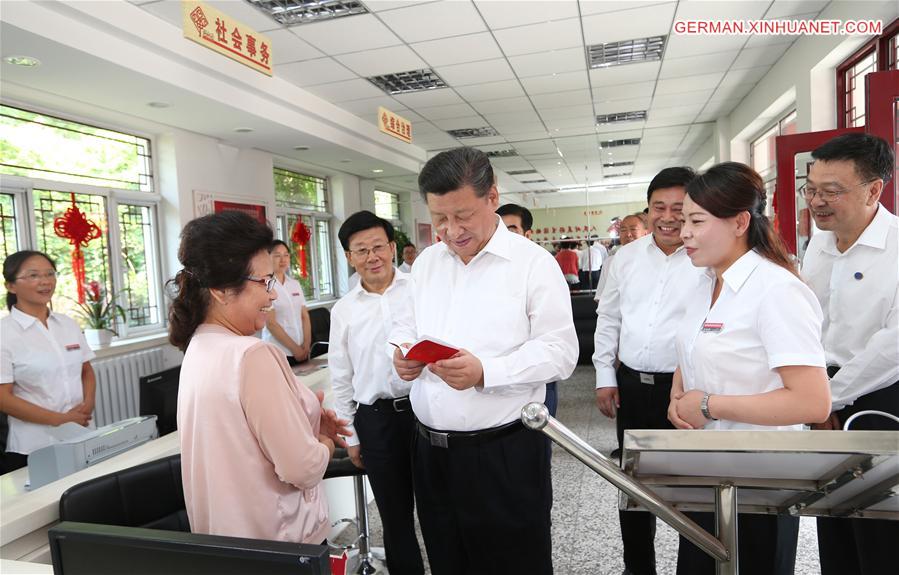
[46, 378]
[288, 324]
[749, 347]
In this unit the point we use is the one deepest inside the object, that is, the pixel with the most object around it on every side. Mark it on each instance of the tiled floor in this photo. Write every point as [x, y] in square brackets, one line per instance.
[586, 536]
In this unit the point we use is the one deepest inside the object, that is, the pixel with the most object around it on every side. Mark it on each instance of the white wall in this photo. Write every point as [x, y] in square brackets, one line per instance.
[804, 78]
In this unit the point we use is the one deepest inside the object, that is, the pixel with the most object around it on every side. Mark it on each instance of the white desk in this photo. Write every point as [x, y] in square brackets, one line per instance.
[26, 516]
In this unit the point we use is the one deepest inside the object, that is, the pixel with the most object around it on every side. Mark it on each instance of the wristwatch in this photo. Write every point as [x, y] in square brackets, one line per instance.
[704, 407]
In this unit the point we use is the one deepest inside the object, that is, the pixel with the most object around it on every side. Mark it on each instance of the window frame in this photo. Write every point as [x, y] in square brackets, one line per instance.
[316, 216]
[885, 59]
[22, 188]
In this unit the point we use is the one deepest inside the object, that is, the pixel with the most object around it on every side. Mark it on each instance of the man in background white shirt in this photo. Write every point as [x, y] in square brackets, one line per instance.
[482, 481]
[639, 311]
[367, 391]
[852, 265]
[409, 254]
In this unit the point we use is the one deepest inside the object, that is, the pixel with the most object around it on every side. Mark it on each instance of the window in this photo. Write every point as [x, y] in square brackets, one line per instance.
[762, 156]
[47, 163]
[880, 54]
[387, 205]
[305, 198]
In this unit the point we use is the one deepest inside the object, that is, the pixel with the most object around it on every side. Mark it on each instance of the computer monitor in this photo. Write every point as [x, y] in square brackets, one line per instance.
[92, 549]
[159, 397]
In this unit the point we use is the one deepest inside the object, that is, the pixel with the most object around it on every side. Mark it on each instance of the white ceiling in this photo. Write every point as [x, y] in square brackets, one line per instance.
[520, 67]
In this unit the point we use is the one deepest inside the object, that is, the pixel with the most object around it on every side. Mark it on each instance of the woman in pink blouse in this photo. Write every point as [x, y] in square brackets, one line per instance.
[254, 441]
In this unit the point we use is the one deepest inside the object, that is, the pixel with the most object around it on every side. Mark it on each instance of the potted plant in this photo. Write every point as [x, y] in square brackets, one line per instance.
[99, 315]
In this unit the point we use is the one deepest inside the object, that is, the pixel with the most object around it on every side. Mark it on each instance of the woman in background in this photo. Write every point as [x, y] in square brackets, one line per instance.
[46, 378]
[749, 349]
[288, 326]
[254, 441]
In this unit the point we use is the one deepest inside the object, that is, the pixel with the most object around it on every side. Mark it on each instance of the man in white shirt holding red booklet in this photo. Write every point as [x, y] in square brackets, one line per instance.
[482, 481]
[367, 391]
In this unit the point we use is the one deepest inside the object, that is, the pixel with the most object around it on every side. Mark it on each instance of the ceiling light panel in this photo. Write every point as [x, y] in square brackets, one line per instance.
[617, 164]
[406, 82]
[473, 132]
[625, 52]
[506, 153]
[293, 12]
[533, 181]
[618, 117]
[619, 143]
[521, 172]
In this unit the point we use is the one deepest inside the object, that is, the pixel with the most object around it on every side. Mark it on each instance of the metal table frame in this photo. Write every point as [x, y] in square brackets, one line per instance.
[861, 453]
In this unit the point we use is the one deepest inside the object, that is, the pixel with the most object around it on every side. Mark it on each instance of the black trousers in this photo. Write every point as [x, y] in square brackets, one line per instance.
[552, 398]
[862, 546]
[485, 508]
[766, 545]
[643, 406]
[386, 439]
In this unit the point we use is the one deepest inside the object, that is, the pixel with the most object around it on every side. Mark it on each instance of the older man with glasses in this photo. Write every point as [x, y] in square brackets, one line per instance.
[852, 265]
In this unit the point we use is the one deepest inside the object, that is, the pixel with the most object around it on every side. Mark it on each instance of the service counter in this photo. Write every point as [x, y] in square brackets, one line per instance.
[27, 515]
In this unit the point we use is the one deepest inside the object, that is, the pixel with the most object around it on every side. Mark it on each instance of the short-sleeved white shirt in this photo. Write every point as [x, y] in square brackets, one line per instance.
[288, 312]
[764, 318]
[44, 364]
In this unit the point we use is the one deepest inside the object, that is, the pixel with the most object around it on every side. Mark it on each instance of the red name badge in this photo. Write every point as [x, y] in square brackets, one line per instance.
[73, 347]
[712, 327]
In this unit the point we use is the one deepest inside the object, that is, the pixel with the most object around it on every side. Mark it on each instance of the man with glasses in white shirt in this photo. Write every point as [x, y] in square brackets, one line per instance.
[852, 265]
[482, 481]
[639, 311]
[367, 391]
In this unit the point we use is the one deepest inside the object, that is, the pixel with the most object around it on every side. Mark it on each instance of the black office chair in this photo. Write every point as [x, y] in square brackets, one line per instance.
[320, 322]
[149, 495]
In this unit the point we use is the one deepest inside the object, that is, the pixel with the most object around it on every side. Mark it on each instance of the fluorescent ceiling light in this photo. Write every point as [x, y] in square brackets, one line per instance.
[618, 117]
[411, 81]
[482, 132]
[291, 12]
[626, 52]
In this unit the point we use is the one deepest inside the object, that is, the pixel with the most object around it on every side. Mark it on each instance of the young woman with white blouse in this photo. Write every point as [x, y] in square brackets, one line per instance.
[749, 346]
[288, 326]
[46, 378]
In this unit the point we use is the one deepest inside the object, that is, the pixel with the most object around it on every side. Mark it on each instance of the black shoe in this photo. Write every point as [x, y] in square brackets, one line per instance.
[616, 454]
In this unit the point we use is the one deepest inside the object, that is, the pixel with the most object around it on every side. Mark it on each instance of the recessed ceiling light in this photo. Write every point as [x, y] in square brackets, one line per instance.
[159, 104]
[635, 116]
[243, 130]
[291, 12]
[625, 52]
[482, 132]
[26, 61]
[301, 148]
[411, 81]
[378, 171]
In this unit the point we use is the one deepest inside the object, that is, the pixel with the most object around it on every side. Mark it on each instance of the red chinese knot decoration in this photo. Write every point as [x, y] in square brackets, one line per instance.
[75, 227]
[301, 236]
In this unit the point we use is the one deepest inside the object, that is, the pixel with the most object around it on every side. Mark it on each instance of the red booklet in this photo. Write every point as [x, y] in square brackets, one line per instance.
[428, 350]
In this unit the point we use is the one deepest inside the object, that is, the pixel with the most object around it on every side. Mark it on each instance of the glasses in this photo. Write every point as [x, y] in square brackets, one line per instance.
[826, 195]
[268, 282]
[378, 250]
[35, 277]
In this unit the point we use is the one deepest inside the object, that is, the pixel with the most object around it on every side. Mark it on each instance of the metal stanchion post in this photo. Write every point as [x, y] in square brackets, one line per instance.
[365, 555]
[726, 526]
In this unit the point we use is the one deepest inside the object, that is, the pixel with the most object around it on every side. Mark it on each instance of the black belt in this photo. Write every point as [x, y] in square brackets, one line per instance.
[648, 377]
[832, 370]
[397, 404]
[447, 439]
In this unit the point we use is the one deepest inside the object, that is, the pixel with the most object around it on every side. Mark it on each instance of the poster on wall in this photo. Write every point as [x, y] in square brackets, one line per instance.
[209, 203]
[424, 236]
[255, 210]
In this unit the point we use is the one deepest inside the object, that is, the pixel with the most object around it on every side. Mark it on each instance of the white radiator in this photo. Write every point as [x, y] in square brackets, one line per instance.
[118, 393]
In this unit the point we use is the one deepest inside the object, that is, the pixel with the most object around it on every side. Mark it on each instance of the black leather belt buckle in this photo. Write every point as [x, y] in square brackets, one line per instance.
[647, 378]
[401, 404]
